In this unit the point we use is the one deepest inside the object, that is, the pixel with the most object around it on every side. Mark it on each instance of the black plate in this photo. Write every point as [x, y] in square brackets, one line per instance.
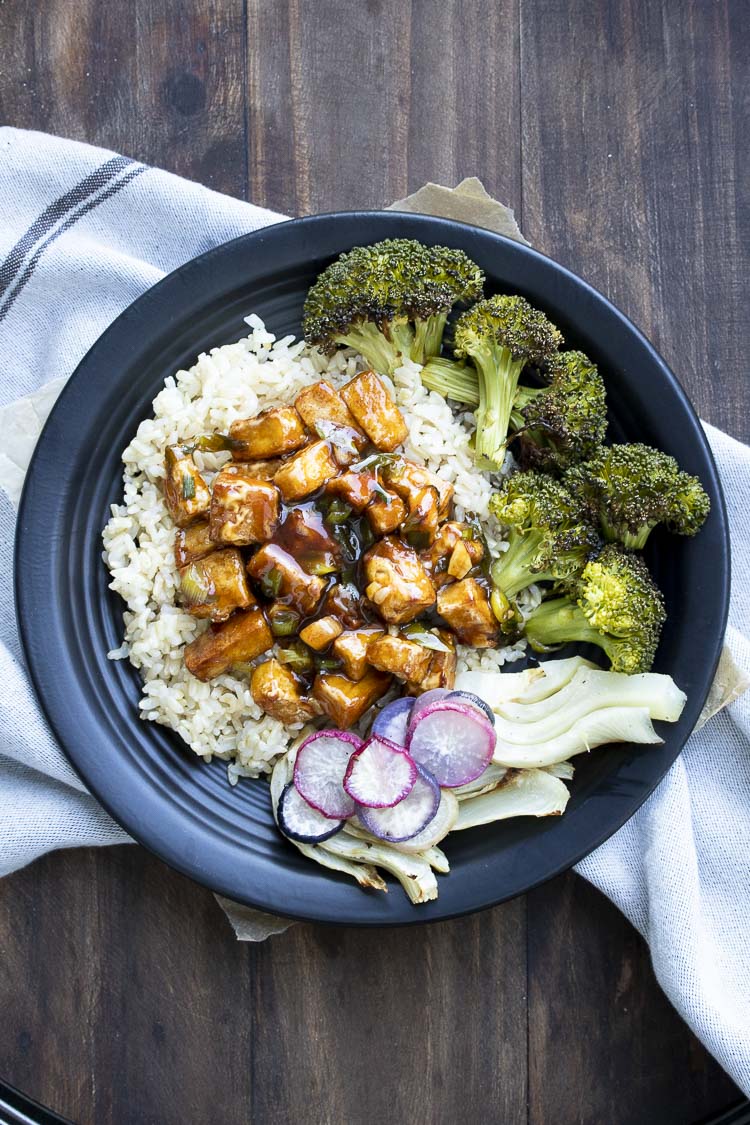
[170, 800]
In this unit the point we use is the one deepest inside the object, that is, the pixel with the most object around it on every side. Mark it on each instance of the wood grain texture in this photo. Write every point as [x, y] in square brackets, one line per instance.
[619, 133]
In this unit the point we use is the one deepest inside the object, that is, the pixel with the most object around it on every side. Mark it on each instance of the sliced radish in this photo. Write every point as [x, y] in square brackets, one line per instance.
[423, 701]
[453, 741]
[300, 821]
[473, 700]
[436, 829]
[379, 774]
[393, 720]
[319, 771]
[408, 817]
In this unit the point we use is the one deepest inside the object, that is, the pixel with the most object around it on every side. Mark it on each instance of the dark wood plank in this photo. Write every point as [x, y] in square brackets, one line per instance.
[424, 1026]
[635, 164]
[632, 148]
[159, 80]
[604, 1042]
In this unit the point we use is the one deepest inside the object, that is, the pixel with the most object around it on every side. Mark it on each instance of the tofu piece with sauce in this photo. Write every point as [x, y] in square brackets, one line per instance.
[185, 492]
[193, 543]
[319, 404]
[397, 583]
[408, 479]
[404, 659]
[441, 672]
[276, 691]
[351, 649]
[421, 524]
[465, 605]
[321, 633]
[386, 515]
[345, 701]
[306, 471]
[280, 576]
[216, 585]
[375, 411]
[270, 434]
[356, 489]
[243, 637]
[453, 554]
[244, 510]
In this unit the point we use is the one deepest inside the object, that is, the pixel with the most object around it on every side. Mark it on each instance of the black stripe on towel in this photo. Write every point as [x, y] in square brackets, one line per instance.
[91, 205]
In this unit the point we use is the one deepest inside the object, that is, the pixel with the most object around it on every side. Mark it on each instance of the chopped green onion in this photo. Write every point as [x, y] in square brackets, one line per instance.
[377, 461]
[338, 511]
[297, 656]
[194, 587]
[378, 488]
[425, 638]
[320, 565]
[326, 664]
[188, 487]
[270, 583]
[215, 443]
[283, 620]
[419, 540]
[366, 535]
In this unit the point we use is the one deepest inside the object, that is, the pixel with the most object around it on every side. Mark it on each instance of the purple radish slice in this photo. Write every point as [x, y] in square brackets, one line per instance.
[379, 774]
[437, 829]
[407, 818]
[453, 741]
[319, 771]
[393, 720]
[423, 701]
[300, 821]
[473, 701]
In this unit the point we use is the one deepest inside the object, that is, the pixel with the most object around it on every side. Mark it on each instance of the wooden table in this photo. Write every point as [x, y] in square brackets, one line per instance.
[615, 130]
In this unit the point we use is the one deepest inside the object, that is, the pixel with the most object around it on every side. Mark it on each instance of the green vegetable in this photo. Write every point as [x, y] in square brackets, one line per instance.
[378, 489]
[418, 540]
[452, 379]
[188, 487]
[283, 620]
[296, 656]
[632, 488]
[338, 512]
[548, 534]
[325, 663]
[195, 588]
[215, 443]
[389, 301]
[614, 603]
[270, 583]
[424, 637]
[564, 422]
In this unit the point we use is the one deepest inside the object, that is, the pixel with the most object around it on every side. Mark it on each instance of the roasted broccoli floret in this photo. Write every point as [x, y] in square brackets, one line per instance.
[564, 422]
[389, 300]
[501, 335]
[632, 488]
[548, 535]
[614, 603]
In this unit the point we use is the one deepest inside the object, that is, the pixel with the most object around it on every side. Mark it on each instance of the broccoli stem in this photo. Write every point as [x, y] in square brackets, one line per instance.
[499, 373]
[428, 337]
[384, 355]
[513, 570]
[557, 621]
[451, 379]
[619, 533]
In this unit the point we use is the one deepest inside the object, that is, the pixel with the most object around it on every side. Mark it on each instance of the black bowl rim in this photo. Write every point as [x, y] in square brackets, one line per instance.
[187, 277]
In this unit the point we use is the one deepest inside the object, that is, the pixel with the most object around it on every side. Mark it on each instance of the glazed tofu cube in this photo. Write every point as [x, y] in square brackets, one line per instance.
[344, 701]
[244, 510]
[243, 637]
[321, 633]
[397, 583]
[351, 649]
[407, 480]
[280, 576]
[193, 543]
[442, 669]
[421, 524]
[215, 586]
[375, 411]
[465, 605]
[405, 659]
[185, 492]
[386, 515]
[276, 431]
[356, 489]
[277, 692]
[320, 404]
[452, 539]
[344, 601]
[305, 536]
[307, 471]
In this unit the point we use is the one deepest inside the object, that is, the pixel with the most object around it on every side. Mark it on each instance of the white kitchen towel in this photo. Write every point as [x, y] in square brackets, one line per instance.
[84, 233]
